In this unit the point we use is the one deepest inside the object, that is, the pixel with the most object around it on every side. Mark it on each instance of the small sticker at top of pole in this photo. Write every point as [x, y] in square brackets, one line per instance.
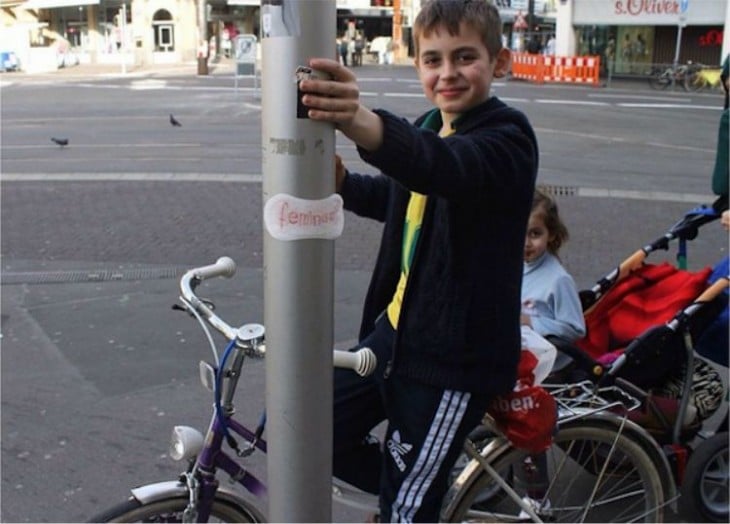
[683, 5]
[279, 18]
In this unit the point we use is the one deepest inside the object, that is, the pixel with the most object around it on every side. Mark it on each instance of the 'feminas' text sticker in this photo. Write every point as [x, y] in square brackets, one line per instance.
[287, 217]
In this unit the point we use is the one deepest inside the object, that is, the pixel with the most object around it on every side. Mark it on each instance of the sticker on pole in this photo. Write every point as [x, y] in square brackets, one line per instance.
[287, 217]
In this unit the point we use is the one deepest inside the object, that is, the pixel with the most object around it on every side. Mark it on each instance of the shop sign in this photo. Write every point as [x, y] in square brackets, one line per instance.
[648, 12]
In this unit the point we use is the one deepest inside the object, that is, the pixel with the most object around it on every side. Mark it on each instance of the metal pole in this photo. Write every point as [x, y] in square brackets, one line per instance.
[680, 25]
[300, 212]
[124, 38]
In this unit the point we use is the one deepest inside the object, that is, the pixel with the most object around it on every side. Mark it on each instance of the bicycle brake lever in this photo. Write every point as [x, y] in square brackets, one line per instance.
[178, 307]
[209, 303]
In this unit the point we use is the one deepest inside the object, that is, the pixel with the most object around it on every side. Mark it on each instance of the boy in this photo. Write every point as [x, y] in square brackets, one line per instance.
[442, 311]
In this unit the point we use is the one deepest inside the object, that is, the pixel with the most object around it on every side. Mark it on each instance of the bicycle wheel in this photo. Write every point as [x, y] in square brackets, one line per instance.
[171, 510]
[593, 474]
[705, 484]
[694, 81]
[661, 80]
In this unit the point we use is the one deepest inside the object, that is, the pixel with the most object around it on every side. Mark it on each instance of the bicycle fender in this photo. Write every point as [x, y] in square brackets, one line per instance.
[499, 444]
[642, 437]
[173, 488]
[467, 476]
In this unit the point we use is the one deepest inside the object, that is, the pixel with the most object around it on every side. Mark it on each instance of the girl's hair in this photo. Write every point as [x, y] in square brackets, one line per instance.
[545, 205]
[481, 15]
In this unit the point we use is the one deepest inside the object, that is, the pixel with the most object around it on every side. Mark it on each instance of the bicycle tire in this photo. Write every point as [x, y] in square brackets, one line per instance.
[694, 82]
[171, 509]
[705, 483]
[578, 463]
[660, 81]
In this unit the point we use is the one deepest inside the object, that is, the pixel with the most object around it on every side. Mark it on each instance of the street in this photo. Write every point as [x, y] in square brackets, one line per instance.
[96, 366]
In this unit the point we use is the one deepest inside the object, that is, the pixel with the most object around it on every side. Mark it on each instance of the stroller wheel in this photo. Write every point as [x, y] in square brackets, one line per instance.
[705, 483]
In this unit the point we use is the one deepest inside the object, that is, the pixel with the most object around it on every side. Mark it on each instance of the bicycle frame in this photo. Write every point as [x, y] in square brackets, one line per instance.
[206, 454]
[199, 484]
[212, 458]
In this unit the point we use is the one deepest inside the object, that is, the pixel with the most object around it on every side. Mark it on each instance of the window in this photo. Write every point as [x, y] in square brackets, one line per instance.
[164, 31]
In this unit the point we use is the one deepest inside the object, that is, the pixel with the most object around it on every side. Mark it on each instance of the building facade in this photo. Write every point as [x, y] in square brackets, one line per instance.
[632, 35]
[629, 35]
[147, 32]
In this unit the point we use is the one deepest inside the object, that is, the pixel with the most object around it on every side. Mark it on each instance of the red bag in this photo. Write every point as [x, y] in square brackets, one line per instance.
[528, 414]
[527, 417]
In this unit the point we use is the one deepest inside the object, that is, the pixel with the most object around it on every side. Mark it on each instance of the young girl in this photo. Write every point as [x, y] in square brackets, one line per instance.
[550, 303]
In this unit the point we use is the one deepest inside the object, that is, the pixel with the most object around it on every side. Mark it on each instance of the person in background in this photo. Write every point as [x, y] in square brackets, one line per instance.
[442, 310]
[534, 46]
[550, 302]
[721, 172]
[344, 49]
[550, 46]
[714, 340]
[550, 305]
[359, 48]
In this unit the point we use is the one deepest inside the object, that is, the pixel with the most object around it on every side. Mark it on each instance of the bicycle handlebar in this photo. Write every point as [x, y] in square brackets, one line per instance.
[224, 267]
[363, 361]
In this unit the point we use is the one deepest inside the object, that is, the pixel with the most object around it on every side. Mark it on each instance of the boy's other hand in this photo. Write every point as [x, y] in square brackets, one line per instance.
[339, 172]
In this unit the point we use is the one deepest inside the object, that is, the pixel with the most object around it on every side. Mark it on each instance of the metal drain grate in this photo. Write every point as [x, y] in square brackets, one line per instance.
[103, 275]
[559, 190]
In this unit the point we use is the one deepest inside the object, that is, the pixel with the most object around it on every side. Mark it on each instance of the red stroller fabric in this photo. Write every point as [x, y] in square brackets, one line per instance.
[647, 297]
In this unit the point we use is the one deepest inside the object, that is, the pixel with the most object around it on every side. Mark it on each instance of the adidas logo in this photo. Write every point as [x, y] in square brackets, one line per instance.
[397, 449]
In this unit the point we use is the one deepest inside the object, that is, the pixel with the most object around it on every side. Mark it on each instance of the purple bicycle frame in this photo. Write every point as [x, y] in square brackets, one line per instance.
[212, 457]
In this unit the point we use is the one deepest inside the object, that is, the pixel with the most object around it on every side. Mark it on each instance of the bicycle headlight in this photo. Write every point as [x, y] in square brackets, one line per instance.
[186, 443]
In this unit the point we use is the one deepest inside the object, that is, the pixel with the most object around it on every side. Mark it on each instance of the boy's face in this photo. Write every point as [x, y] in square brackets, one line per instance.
[456, 71]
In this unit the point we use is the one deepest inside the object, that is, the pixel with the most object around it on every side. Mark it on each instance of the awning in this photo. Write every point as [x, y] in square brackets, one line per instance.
[53, 4]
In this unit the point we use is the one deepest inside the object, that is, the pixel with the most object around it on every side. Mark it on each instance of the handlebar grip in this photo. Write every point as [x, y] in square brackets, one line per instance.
[223, 267]
[363, 361]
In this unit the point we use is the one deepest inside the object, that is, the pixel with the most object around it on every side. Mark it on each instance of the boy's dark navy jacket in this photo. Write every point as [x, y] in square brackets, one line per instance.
[459, 323]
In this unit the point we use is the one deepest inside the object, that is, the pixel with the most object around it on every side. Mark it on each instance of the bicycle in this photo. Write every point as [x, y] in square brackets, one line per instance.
[596, 451]
[663, 77]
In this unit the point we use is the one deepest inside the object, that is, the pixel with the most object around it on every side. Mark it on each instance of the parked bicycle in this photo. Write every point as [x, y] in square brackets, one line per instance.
[600, 466]
[663, 76]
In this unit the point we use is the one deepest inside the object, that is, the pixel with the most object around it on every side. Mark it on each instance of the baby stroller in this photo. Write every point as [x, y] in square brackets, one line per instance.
[648, 324]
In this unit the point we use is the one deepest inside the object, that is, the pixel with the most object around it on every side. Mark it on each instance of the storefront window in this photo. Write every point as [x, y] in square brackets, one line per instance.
[598, 41]
[623, 50]
[635, 49]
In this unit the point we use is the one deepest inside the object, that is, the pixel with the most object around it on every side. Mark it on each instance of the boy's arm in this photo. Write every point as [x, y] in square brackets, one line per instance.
[367, 196]
[338, 101]
[364, 195]
[498, 158]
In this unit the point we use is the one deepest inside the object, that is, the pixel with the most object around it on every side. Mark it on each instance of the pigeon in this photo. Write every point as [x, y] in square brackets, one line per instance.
[60, 141]
[174, 122]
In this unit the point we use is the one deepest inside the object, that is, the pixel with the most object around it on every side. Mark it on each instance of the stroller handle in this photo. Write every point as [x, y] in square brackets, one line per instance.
[632, 263]
[708, 295]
